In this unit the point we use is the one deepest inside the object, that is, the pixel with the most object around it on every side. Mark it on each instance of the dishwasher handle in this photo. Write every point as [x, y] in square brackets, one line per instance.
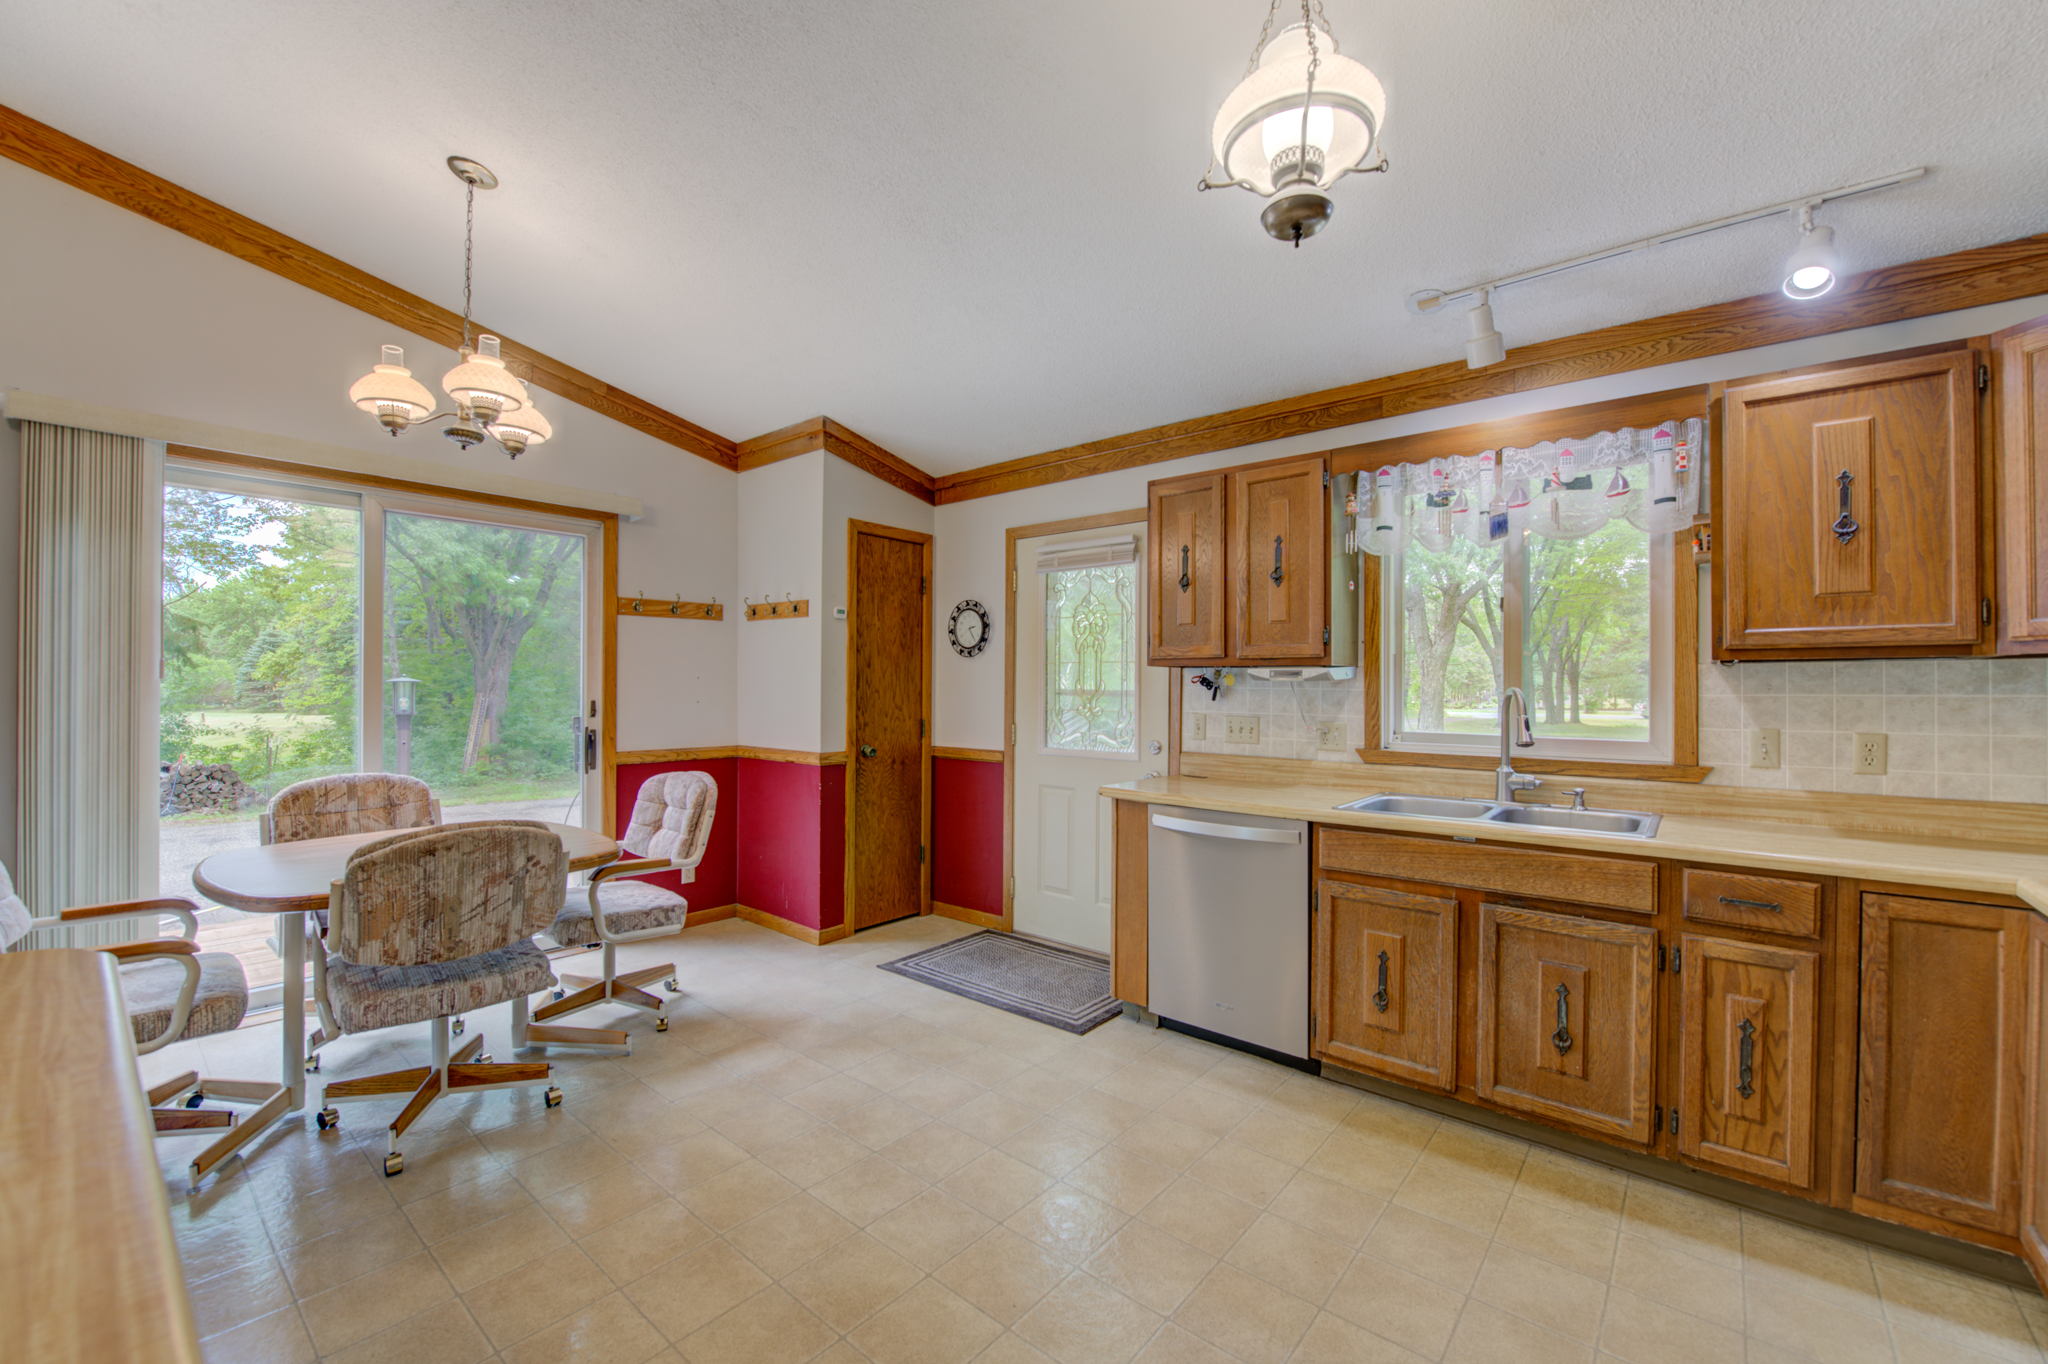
[1202, 829]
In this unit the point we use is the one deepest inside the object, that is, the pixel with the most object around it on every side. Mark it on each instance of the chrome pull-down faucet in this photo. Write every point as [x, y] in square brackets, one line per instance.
[1507, 781]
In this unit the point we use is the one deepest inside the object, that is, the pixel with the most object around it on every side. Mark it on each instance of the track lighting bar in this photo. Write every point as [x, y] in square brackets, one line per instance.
[1430, 300]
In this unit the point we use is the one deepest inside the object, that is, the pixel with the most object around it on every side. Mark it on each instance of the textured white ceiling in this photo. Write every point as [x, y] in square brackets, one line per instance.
[969, 230]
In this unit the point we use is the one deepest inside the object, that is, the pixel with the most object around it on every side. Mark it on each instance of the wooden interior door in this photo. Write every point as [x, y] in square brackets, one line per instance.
[2023, 480]
[1385, 966]
[1749, 1033]
[1280, 562]
[1848, 508]
[888, 708]
[1566, 1018]
[1940, 1058]
[1187, 596]
[2034, 1144]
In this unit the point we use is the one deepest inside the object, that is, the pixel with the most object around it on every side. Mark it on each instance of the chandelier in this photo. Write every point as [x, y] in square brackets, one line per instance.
[1302, 118]
[489, 399]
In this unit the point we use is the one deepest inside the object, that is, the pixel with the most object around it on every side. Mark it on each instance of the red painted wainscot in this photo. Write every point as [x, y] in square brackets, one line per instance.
[967, 830]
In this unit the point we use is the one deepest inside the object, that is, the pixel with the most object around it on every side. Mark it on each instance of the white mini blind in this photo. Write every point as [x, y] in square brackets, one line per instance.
[1123, 549]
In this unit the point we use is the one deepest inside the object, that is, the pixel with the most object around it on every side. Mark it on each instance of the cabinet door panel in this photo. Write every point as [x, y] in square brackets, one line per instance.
[2034, 1167]
[1386, 983]
[1280, 563]
[2023, 479]
[1566, 1018]
[1188, 567]
[1748, 1041]
[1939, 1059]
[1849, 508]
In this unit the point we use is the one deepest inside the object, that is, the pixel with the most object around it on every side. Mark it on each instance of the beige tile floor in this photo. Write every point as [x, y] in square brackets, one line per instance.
[822, 1161]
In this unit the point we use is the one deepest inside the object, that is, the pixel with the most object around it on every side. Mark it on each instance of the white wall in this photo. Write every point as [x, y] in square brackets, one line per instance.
[104, 306]
[781, 519]
[968, 693]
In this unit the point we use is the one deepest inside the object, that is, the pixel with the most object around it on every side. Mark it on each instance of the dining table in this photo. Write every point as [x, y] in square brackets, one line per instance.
[291, 880]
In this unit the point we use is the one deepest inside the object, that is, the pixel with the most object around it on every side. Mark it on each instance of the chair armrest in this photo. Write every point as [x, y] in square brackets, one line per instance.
[183, 910]
[151, 947]
[629, 866]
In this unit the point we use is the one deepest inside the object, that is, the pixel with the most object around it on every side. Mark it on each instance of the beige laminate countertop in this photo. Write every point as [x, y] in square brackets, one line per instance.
[1815, 850]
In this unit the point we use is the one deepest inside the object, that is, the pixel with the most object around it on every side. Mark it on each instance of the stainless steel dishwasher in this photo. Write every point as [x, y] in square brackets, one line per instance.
[1227, 946]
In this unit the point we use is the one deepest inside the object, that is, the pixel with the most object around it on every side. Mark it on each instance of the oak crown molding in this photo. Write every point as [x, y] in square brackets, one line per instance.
[1938, 284]
[822, 433]
[104, 175]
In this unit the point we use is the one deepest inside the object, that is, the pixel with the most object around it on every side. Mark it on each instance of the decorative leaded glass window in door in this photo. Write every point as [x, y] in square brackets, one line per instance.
[1091, 659]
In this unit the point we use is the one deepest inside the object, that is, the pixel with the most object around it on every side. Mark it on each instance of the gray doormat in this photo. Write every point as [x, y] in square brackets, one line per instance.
[1063, 986]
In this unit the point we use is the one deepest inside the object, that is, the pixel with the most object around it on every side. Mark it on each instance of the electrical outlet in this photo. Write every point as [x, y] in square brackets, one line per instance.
[1198, 726]
[1241, 729]
[1870, 754]
[1330, 734]
[1764, 749]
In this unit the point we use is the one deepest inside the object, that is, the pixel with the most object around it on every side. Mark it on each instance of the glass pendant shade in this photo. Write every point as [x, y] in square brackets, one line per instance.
[482, 383]
[390, 393]
[1257, 137]
[521, 429]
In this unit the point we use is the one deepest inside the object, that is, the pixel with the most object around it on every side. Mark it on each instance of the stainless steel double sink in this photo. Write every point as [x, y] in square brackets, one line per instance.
[1617, 823]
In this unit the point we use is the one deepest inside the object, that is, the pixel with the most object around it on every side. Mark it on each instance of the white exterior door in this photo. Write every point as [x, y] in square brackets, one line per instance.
[1089, 712]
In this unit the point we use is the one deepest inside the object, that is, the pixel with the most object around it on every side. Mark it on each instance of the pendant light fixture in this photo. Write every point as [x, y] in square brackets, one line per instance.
[1811, 269]
[1303, 117]
[489, 399]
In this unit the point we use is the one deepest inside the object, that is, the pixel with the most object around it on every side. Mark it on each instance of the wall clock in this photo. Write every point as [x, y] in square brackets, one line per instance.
[969, 628]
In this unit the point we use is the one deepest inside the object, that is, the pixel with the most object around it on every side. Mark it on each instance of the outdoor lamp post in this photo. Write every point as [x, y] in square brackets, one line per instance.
[403, 690]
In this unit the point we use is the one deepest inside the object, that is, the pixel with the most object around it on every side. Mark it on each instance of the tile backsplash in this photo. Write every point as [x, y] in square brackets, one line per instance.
[1957, 728]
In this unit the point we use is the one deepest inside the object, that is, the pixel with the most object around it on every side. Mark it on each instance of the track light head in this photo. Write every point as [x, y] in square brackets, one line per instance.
[1811, 269]
[1483, 346]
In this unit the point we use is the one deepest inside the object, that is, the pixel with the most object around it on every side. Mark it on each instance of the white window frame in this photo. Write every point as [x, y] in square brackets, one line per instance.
[1656, 750]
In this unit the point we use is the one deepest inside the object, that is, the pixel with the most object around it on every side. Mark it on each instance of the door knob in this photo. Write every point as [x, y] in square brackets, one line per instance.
[867, 750]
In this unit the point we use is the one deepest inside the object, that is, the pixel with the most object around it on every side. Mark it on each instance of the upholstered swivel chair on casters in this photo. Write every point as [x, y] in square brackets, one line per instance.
[173, 992]
[669, 829]
[428, 924]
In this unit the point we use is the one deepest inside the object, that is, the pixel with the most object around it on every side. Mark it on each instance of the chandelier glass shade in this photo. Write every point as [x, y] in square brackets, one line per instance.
[490, 401]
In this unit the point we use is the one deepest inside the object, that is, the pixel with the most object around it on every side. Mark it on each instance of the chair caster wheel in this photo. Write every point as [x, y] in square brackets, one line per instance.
[196, 1100]
[553, 1097]
[328, 1118]
[671, 986]
[661, 1024]
[312, 1065]
[456, 1027]
[394, 1164]
[560, 993]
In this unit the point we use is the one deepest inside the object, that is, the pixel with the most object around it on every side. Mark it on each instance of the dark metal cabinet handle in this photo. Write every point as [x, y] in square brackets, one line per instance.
[1562, 1038]
[1745, 1065]
[1277, 575]
[1185, 580]
[1845, 526]
[867, 750]
[1379, 996]
[1736, 902]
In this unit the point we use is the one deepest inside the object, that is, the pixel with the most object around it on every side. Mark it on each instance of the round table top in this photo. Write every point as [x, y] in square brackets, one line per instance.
[287, 878]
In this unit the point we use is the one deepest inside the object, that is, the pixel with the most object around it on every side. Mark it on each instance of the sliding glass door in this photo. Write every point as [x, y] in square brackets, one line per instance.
[311, 628]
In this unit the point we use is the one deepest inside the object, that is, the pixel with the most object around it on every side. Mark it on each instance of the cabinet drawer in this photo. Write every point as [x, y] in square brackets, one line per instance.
[1768, 903]
[1581, 879]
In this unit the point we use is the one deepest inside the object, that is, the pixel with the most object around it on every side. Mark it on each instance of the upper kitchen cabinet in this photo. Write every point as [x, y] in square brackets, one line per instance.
[2023, 486]
[1847, 511]
[1188, 589]
[1248, 568]
[1280, 562]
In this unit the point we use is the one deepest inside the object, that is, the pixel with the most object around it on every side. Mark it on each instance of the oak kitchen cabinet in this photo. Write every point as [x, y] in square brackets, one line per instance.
[2022, 494]
[1749, 1049]
[2034, 1123]
[1385, 981]
[1242, 569]
[1847, 511]
[1940, 1060]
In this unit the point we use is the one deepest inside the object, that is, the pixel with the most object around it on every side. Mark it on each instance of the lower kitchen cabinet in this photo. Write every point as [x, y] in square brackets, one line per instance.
[2034, 1146]
[1749, 1035]
[1566, 1023]
[1385, 965]
[1941, 1060]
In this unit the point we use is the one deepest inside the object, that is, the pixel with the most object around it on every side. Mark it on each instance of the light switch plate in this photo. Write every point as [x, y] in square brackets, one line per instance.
[1871, 755]
[1241, 729]
[1330, 735]
[1198, 726]
[1764, 748]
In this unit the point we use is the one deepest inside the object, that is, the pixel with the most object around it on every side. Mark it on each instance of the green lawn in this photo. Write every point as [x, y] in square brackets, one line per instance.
[1615, 725]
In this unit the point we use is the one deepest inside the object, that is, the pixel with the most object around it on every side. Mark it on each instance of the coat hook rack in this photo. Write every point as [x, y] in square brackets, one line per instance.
[673, 609]
[789, 608]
